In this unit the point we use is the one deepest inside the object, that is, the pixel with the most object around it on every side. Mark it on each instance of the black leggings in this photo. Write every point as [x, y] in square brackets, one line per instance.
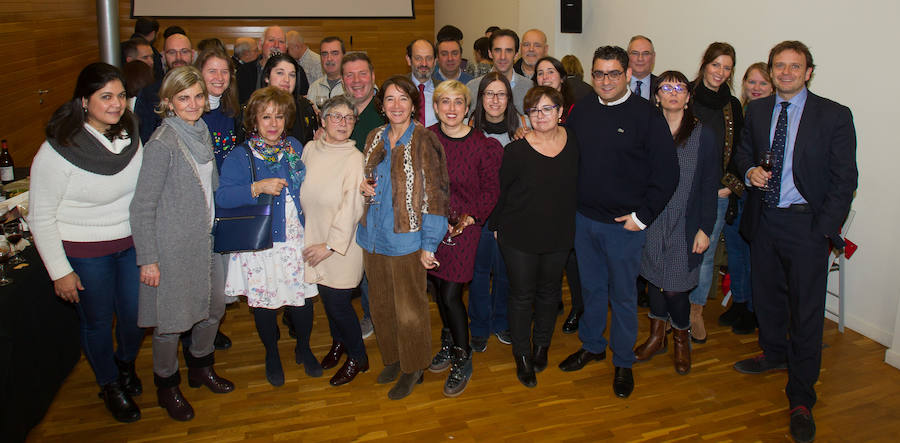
[672, 305]
[267, 325]
[452, 309]
[574, 282]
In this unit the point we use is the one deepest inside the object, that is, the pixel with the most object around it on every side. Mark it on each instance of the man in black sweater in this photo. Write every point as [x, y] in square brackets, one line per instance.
[627, 173]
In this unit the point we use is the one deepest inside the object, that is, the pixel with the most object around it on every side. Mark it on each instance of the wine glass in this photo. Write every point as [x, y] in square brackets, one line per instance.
[767, 162]
[453, 219]
[371, 180]
[320, 101]
[5, 253]
[14, 235]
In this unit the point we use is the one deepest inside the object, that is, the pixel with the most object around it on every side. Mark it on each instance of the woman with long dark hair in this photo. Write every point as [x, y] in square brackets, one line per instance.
[281, 71]
[83, 178]
[721, 112]
[678, 237]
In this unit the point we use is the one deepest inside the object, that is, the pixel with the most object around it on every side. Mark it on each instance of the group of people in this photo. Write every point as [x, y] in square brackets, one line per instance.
[434, 180]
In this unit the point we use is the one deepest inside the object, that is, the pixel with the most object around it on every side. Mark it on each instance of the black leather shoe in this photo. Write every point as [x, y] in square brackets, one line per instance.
[206, 376]
[623, 382]
[171, 399]
[758, 365]
[580, 358]
[803, 427]
[540, 358]
[119, 403]
[570, 326]
[733, 313]
[745, 324]
[349, 371]
[333, 357]
[525, 371]
[222, 341]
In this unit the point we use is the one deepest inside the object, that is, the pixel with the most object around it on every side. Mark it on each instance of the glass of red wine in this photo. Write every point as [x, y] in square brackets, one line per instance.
[14, 236]
[371, 180]
[6, 251]
[452, 219]
[767, 162]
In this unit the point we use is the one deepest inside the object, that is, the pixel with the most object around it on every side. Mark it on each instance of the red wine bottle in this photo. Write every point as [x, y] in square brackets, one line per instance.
[6, 165]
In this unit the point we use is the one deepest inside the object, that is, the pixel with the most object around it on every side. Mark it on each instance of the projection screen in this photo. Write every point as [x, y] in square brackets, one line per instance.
[274, 8]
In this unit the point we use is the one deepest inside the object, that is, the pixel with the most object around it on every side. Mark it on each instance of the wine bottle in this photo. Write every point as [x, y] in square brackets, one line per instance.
[6, 165]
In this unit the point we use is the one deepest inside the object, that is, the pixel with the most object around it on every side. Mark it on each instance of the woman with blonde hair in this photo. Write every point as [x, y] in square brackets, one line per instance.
[171, 219]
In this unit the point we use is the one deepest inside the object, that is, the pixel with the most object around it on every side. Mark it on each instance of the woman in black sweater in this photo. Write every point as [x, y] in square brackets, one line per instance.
[720, 111]
[535, 223]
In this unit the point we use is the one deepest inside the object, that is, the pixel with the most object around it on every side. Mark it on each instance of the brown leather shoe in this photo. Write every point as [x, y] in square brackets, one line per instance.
[348, 371]
[333, 357]
[207, 376]
[174, 403]
[682, 357]
[656, 343]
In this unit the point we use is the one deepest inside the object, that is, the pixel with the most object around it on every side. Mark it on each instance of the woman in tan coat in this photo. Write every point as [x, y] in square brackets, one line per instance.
[330, 198]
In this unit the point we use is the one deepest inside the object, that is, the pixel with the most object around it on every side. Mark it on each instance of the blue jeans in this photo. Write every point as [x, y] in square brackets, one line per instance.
[487, 303]
[110, 289]
[609, 259]
[699, 294]
[739, 260]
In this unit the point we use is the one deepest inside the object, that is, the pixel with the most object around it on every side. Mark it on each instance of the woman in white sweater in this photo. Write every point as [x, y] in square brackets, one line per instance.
[82, 181]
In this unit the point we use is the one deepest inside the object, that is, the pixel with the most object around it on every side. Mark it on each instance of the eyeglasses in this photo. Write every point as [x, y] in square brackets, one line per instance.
[613, 75]
[335, 118]
[676, 89]
[491, 95]
[182, 51]
[546, 110]
[643, 54]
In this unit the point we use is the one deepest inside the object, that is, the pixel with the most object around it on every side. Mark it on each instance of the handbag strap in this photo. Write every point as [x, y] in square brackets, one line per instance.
[252, 163]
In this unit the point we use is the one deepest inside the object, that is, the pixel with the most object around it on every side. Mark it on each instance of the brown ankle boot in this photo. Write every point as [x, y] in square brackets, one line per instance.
[656, 343]
[698, 328]
[682, 350]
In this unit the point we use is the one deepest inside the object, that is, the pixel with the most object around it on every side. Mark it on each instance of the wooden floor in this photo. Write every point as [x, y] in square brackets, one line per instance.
[859, 398]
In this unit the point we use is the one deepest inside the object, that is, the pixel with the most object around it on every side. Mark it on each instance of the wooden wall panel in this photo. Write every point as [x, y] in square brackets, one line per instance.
[44, 44]
[383, 39]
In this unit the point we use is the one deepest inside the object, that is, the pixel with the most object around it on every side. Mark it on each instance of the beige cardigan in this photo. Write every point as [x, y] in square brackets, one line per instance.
[333, 206]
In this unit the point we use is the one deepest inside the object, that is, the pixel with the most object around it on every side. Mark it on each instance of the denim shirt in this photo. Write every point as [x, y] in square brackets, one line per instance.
[378, 236]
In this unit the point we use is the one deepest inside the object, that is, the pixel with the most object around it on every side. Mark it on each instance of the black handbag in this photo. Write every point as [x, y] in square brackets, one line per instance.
[245, 228]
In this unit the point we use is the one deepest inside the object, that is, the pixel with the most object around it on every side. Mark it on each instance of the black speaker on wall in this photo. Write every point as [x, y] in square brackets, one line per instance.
[570, 16]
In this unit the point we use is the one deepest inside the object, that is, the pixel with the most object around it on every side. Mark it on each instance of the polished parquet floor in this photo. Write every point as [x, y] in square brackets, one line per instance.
[859, 398]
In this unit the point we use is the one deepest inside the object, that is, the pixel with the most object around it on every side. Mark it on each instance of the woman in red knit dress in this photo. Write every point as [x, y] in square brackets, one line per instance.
[473, 163]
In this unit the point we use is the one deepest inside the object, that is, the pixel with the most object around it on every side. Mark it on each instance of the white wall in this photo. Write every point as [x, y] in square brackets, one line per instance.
[847, 39]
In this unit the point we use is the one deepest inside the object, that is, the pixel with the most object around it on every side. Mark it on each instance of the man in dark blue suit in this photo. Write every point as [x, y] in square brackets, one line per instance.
[796, 207]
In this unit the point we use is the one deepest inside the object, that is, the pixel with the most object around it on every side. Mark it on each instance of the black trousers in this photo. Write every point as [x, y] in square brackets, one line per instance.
[535, 289]
[790, 268]
[574, 280]
[449, 300]
[342, 321]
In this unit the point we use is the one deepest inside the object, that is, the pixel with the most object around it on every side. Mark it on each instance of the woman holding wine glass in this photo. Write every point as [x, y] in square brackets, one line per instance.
[473, 162]
[281, 71]
[740, 315]
[83, 178]
[677, 238]
[171, 219]
[721, 112]
[400, 234]
[535, 224]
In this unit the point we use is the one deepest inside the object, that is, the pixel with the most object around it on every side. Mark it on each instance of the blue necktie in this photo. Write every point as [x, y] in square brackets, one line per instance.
[773, 195]
[637, 88]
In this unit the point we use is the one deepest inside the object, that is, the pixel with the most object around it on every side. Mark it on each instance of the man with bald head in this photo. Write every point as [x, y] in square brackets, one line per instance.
[641, 58]
[177, 51]
[420, 56]
[309, 60]
[249, 75]
[534, 46]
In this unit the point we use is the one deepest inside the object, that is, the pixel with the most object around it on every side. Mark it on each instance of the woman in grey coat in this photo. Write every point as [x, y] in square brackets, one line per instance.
[171, 218]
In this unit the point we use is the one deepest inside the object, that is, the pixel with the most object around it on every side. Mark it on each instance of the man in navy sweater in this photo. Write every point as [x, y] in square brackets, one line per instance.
[627, 173]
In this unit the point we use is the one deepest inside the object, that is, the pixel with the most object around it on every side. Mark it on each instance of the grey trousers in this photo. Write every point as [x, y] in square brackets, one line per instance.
[203, 333]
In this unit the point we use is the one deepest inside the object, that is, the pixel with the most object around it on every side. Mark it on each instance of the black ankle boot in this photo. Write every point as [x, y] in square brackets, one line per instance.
[119, 403]
[525, 371]
[128, 378]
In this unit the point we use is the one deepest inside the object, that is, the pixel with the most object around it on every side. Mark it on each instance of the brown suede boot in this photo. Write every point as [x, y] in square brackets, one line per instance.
[698, 329]
[682, 352]
[656, 343]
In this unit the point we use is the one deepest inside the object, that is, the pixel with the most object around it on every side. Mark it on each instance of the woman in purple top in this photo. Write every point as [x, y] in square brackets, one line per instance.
[473, 162]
